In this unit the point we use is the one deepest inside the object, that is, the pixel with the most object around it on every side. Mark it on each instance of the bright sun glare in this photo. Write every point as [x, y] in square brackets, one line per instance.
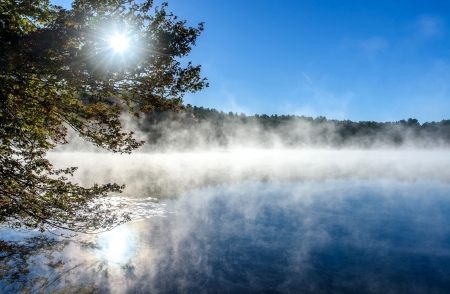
[119, 43]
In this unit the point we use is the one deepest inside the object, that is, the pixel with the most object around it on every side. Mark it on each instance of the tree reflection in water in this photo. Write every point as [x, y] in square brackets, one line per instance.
[45, 264]
[31, 265]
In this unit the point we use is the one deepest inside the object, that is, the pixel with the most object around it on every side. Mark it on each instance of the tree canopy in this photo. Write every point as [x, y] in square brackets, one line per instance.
[58, 70]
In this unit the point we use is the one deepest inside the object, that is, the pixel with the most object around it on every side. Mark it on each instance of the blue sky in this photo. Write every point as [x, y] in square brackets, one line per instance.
[358, 60]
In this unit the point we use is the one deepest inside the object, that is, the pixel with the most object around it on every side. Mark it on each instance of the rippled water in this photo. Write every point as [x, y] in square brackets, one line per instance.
[333, 223]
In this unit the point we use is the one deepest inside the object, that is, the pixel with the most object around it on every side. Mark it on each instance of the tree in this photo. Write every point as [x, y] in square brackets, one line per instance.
[59, 71]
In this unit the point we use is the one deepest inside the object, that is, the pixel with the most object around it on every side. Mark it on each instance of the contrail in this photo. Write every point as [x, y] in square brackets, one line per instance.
[307, 77]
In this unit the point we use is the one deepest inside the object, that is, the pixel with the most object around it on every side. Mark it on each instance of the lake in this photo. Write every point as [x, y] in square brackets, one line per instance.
[256, 221]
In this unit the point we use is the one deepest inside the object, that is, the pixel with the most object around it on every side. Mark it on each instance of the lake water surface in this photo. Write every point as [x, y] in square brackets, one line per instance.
[260, 222]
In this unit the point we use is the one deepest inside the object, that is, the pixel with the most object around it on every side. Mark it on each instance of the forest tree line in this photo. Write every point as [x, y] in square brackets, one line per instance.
[201, 127]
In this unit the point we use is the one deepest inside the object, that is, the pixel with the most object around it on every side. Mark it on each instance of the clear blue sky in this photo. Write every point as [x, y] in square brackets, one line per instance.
[359, 60]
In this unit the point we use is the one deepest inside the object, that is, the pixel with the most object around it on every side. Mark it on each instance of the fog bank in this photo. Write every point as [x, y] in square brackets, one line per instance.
[168, 175]
[208, 130]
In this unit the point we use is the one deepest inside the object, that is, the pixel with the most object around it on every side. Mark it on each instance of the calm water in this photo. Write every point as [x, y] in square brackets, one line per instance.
[342, 234]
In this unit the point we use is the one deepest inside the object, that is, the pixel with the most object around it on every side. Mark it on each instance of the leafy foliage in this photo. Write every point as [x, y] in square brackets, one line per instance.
[57, 70]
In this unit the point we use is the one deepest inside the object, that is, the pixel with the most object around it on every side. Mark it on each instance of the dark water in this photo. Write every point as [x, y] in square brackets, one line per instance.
[339, 236]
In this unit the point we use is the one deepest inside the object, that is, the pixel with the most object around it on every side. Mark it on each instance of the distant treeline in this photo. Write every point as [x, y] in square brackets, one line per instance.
[208, 128]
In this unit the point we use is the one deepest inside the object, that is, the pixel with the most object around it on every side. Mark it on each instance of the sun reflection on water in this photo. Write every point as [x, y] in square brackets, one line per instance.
[118, 244]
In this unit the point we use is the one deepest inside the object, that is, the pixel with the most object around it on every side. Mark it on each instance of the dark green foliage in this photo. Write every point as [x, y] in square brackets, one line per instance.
[57, 70]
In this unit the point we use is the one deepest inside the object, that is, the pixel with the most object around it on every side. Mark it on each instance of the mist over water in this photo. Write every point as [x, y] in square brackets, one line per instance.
[170, 174]
[338, 236]
[335, 236]
[272, 221]
[243, 219]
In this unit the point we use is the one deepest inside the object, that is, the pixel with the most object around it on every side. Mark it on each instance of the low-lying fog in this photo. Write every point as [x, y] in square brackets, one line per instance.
[168, 175]
[258, 220]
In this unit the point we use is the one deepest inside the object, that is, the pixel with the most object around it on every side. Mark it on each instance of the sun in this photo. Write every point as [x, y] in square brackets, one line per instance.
[119, 43]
